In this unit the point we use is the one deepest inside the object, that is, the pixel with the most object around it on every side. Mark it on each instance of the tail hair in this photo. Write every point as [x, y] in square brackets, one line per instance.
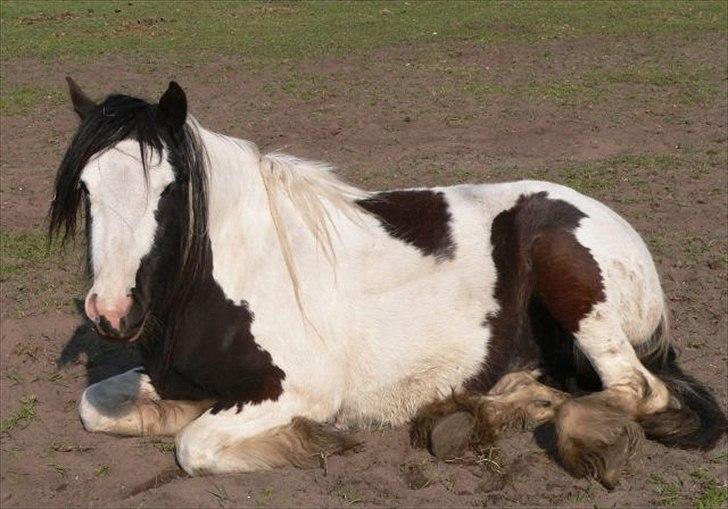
[694, 418]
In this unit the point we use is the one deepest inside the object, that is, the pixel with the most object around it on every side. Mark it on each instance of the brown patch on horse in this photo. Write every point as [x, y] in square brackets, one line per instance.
[568, 280]
[419, 217]
[546, 282]
[596, 439]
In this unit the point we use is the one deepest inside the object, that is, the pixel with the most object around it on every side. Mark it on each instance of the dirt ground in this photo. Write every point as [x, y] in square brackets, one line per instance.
[655, 150]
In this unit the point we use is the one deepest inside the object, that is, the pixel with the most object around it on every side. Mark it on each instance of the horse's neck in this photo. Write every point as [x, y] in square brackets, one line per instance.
[268, 215]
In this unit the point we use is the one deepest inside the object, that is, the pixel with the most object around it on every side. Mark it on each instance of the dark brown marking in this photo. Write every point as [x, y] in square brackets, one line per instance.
[546, 283]
[568, 280]
[214, 354]
[418, 217]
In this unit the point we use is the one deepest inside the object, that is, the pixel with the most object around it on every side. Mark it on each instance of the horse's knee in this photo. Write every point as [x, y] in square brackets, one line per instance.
[194, 455]
[92, 420]
[101, 410]
[596, 439]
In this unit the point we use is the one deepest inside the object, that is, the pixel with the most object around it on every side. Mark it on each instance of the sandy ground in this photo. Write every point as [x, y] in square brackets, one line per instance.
[403, 116]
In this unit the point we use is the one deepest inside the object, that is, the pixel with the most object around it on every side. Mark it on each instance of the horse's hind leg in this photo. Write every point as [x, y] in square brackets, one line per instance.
[128, 404]
[449, 426]
[597, 434]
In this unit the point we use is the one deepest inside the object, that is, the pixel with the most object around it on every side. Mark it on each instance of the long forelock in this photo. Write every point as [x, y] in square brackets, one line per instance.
[121, 118]
[118, 118]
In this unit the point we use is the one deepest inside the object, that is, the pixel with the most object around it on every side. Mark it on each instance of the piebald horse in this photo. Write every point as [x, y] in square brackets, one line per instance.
[275, 306]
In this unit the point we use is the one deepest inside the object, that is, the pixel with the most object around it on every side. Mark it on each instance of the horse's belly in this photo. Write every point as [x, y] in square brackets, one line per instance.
[431, 354]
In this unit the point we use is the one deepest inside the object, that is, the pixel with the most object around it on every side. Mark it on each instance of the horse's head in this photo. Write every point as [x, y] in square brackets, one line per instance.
[135, 170]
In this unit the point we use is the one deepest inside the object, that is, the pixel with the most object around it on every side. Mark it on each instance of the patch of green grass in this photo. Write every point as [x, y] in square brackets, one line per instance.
[102, 471]
[265, 31]
[479, 90]
[264, 498]
[307, 87]
[601, 176]
[562, 90]
[693, 84]
[696, 248]
[20, 100]
[719, 458]
[686, 84]
[22, 417]
[17, 249]
[715, 497]
[29, 246]
[161, 445]
[60, 469]
[668, 493]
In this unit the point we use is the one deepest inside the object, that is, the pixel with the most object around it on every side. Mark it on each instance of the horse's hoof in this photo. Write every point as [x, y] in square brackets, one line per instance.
[595, 439]
[450, 436]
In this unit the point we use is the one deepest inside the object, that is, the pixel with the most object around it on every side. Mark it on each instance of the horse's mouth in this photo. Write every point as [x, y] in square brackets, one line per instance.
[128, 335]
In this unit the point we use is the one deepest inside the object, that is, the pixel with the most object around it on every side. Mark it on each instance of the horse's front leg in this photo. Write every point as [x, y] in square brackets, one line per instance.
[288, 431]
[128, 404]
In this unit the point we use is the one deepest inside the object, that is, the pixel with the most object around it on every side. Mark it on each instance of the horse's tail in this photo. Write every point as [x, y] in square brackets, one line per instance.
[694, 418]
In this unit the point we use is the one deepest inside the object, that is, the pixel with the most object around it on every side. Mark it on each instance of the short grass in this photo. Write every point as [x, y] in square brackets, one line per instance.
[668, 493]
[307, 86]
[20, 249]
[714, 497]
[265, 31]
[679, 83]
[20, 100]
[598, 177]
[161, 445]
[22, 417]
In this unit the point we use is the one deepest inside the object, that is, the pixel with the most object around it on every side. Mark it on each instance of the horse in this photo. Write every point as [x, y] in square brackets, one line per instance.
[277, 308]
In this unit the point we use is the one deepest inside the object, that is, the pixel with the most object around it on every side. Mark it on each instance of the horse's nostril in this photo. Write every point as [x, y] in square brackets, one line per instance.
[90, 307]
[104, 326]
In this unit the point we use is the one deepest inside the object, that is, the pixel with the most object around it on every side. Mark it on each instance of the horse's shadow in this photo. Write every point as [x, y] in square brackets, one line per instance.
[103, 358]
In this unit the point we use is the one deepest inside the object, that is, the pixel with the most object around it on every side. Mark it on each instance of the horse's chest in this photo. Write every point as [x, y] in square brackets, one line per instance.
[215, 354]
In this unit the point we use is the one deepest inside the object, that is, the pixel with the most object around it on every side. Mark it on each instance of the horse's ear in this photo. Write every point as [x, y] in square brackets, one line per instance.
[172, 110]
[81, 102]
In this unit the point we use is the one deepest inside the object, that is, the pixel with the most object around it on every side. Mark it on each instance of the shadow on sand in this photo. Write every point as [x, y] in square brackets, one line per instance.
[103, 358]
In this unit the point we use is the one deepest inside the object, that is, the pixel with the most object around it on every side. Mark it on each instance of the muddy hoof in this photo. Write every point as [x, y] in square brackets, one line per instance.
[450, 436]
[595, 439]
